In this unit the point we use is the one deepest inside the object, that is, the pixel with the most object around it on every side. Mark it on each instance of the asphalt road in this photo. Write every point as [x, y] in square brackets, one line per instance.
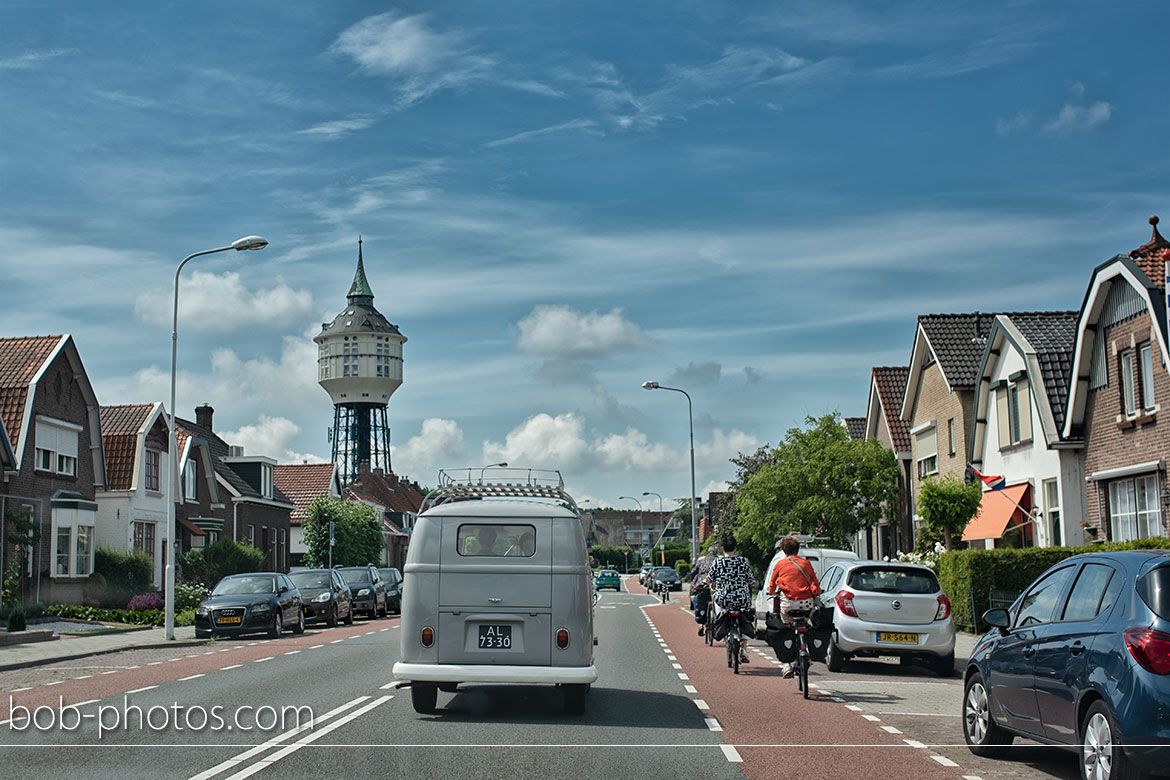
[665, 705]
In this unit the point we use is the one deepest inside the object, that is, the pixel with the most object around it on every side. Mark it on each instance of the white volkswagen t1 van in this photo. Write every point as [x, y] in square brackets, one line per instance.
[497, 588]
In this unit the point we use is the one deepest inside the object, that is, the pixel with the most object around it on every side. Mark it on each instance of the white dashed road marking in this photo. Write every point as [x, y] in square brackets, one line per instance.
[731, 753]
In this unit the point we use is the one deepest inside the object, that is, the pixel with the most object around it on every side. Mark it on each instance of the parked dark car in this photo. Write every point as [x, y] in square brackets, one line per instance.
[1081, 660]
[393, 579]
[367, 587]
[244, 603]
[664, 576]
[325, 595]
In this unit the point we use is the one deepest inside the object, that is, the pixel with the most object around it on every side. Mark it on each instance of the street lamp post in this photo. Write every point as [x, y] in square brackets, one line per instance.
[247, 242]
[691, 422]
[631, 498]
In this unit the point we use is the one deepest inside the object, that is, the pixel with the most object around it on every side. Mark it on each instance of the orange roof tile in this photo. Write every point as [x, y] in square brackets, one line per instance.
[1152, 256]
[20, 360]
[301, 483]
[120, 426]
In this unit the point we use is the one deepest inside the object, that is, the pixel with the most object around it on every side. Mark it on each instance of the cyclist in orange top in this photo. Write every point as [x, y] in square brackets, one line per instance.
[795, 583]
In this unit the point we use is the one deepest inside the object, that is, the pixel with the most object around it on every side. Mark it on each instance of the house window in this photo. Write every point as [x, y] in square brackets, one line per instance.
[349, 357]
[1013, 411]
[189, 484]
[951, 435]
[251, 535]
[266, 480]
[152, 469]
[1146, 360]
[1128, 394]
[280, 558]
[1133, 509]
[56, 447]
[1052, 511]
[144, 538]
[72, 542]
[926, 448]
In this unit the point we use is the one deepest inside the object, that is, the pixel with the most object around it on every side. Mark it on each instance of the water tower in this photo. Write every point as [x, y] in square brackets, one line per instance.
[359, 363]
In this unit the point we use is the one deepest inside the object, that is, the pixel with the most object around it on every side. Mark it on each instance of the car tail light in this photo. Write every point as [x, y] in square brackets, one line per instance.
[944, 608]
[845, 603]
[428, 636]
[1150, 648]
[562, 638]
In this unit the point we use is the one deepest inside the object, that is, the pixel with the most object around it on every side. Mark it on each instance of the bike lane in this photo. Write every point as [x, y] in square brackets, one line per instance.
[776, 731]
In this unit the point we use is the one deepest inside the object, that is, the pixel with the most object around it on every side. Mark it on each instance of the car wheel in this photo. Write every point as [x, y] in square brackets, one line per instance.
[575, 699]
[349, 616]
[1101, 757]
[424, 697]
[299, 628]
[274, 627]
[835, 657]
[982, 736]
[385, 609]
[332, 621]
[944, 665]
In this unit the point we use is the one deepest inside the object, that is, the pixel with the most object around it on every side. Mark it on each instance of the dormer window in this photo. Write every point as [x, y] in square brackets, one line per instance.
[153, 469]
[56, 446]
[190, 473]
[266, 480]
[1013, 410]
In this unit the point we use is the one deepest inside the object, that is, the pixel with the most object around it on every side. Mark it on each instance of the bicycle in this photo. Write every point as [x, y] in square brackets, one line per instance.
[733, 641]
[801, 625]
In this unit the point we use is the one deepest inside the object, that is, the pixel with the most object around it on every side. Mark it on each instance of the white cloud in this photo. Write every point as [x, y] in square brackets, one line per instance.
[221, 302]
[439, 445]
[32, 59]
[697, 374]
[1014, 125]
[529, 135]
[632, 451]
[713, 487]
[1072, 118]
[270, 436]
[562, 331]
[338, 128]
[543, 441]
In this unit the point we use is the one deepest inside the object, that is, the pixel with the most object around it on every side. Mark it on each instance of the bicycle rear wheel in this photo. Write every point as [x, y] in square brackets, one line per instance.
[733, 648]
[803, 660]
[709, 632]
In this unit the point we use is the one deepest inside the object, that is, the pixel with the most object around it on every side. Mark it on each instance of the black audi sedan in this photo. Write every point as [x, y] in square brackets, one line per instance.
[393, 579]
[367, 587]
[251, 603]
[324, 595]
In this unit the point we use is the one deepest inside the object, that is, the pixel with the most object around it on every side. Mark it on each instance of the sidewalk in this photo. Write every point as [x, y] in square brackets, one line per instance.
[69, 648]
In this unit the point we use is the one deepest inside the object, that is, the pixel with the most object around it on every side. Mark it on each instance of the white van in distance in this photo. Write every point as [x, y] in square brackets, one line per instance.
[497, 588]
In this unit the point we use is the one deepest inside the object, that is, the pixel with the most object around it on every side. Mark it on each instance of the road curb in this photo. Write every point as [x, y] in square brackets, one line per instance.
[76, 656]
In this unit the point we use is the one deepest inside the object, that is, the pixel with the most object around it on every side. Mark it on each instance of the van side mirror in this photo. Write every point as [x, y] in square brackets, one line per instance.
[998, 618]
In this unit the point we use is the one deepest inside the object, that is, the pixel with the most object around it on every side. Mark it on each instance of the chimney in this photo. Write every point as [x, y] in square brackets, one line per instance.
[363, 468]
[378, 472]
[203, 416]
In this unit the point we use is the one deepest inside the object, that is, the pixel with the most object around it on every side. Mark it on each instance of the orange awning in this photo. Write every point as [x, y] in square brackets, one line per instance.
[997, 511]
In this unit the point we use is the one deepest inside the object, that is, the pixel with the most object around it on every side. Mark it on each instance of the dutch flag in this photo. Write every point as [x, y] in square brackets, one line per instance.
[995, 483]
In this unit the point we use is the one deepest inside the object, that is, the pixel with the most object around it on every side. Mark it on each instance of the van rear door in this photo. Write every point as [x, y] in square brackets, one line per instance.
[495, 591]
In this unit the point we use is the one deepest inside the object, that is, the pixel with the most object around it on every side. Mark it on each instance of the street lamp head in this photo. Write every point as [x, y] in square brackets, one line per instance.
[249, 242]
[649, 385]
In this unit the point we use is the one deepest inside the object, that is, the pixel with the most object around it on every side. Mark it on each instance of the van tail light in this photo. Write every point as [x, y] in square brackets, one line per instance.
[1150, 648]
[845, 603]
[428, 636]
[944, 608]
[562, 638]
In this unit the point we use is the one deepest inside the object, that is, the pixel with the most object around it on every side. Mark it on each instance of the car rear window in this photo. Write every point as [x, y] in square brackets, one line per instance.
[893, 579]
[354, 576]
[497, 540]
[1154, 588]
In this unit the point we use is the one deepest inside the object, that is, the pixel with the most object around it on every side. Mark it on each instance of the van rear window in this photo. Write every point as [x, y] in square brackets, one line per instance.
[497, 540]
[1154, 588]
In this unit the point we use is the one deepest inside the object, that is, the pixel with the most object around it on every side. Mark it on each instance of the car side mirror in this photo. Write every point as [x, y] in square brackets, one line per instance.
[998, 618]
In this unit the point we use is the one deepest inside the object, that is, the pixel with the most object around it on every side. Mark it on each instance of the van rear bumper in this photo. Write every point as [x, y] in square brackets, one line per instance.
[482, 673]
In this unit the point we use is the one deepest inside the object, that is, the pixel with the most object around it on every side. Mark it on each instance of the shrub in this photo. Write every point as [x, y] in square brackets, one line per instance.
[133, 572]
[967, 576]
[16, 620]
[189, 596]
[683, 567]
[146, 601]
[144, 617]
[185, 618]
[211, 564]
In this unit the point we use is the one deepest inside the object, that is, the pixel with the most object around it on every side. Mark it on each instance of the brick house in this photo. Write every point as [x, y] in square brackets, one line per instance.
[1021, 398]
[53, 423]
[1119, 394]
[245, 506]
[939, 403]
[396, 500]
[301, 483]
[883, 421]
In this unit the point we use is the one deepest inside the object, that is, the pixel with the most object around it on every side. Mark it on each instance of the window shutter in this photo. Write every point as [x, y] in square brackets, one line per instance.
[928, 443]
[1001, 415]
[67, 443]
[47, 436]
[1024, 398]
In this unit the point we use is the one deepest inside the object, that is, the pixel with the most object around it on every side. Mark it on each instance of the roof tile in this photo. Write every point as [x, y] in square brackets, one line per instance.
[20, 360]
[1152, 256]
[891, 387]
[301, 483]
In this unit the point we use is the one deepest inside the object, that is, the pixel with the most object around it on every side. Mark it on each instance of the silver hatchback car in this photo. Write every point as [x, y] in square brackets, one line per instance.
[497, 589]
[886, 608]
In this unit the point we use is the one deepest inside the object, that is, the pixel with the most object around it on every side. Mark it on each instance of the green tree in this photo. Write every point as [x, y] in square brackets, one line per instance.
[208, 565]
[946, 506]
[818, 481]
[357, 531]
[23, 534]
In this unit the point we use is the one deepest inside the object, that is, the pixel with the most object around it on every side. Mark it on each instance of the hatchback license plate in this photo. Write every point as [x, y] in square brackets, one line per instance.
[905, 639]
[494, 637]
[223, 621]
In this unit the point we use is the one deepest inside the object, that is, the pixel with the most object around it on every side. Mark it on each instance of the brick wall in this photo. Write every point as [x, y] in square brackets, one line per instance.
[1109, 444]
[934, 402]
[260, 515]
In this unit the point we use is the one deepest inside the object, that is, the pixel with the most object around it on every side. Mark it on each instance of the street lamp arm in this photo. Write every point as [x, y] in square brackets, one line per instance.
[651, 385]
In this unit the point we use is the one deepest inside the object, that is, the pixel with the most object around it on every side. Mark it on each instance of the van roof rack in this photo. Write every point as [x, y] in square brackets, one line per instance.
[500, 483]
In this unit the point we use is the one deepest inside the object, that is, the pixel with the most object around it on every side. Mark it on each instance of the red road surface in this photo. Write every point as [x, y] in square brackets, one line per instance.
[796, 738]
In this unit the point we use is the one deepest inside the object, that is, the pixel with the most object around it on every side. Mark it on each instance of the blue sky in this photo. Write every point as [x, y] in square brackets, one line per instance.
[559, 201]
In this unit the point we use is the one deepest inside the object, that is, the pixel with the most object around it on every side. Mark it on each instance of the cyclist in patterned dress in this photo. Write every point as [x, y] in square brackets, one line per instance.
[731, 584]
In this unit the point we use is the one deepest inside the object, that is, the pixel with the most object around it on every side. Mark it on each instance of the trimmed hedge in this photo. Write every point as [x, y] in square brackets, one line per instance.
[141, 617]
[968, 575]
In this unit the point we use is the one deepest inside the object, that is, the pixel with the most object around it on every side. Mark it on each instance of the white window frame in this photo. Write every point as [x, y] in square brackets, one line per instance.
[266, 480]
[69, 522]
[146, 457]
[191, 482]
[1146, 367]
[1013, 409]
[1134, 511]
[1128, 389]
[927, 464]
[1050, 491]
[56, 446]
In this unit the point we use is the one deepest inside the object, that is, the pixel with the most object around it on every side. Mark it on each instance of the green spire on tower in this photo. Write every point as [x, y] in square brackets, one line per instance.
[360, 287]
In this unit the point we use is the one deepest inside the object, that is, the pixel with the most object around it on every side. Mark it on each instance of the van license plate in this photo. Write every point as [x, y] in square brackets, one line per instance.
[888, 636]
[495, 637]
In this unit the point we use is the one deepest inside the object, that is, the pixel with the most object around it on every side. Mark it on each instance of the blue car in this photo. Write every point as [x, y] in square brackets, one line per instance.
[1081, 660]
